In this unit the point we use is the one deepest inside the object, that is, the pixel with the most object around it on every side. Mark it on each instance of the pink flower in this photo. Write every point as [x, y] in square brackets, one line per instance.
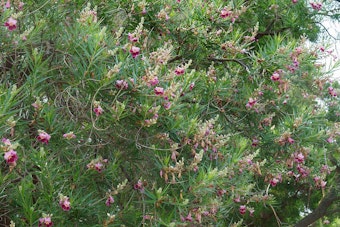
[225, 13]
[251, 103]
[21, 5]
[294, 1]
[135, 51]
[6, 141]
[43, 137]
[37, 105]
[179, 71]
[99, 167]
[98, 110]
[255, 142]
[316, 6]
[159, 90]
[154, 81]
[139, 186]
[167, 105]
[273, 182]
[122, 84]
[188, 218]
[237, 199]
[11, 157]
[8, 4]
[192, 85]
[299, 158]
[69, 135]
[11, 24]
[132, 38]
[243, 209]
[275, 77]
[330, 140]
[45, 221]
[332, 92]
[65, 203]
[110, 200]
[290, 140]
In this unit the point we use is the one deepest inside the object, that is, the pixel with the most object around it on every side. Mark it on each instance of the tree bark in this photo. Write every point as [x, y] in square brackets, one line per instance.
[320, 211]
[326, 202]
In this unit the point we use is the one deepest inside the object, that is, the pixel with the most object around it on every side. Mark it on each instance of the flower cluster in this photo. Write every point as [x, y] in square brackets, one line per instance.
[11, 24]
[45, 221]
[69, 135]
[88, 16]
[285, 139]
[316, 5]
[97, 164]
[10, 156]
[64, 202]
[97, 108]
[43, 137]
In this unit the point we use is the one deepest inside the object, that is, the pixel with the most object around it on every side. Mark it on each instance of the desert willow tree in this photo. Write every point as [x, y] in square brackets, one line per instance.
[167, 113]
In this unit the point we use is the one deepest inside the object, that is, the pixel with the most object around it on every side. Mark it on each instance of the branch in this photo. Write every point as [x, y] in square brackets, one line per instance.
[327, 31]
[329, 213]
[231, 59]
[320, 211]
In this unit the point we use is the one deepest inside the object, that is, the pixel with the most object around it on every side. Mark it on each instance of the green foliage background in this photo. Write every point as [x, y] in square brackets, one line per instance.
[67, 63]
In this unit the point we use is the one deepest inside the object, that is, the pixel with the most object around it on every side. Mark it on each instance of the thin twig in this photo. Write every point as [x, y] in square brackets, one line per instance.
[231, 60]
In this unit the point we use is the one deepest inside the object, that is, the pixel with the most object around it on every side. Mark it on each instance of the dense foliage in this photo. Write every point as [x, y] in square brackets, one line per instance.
[167, 113]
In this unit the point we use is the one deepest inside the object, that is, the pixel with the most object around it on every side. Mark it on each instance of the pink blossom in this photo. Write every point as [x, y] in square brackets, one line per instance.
[294, 1]
[97, 164]
[330, 140]
[290, 140]
[325, 169]
[110, 200]
[159, 90]
[299, 158]
[99, 167]
[21, 5]
[6, 141]
[69, 135]
[11, 24]
[188, 218]
[332, 91]
[45, 221]
[255, 142]
[122, 84]
[43, 137]
[316, 6]
[273, 182]
[225, 13]
[237, 199]
[135, 51]
[167, 105]
[275, 77]
[8, 4]
[303, 171]
[65, 203]
[191, 86]
[243, 209]
[132, 38]
[37, 105]
[98, 110]
[179, 71]
[11, 157]
[139, 186]
[251, 103]
[154, 81]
